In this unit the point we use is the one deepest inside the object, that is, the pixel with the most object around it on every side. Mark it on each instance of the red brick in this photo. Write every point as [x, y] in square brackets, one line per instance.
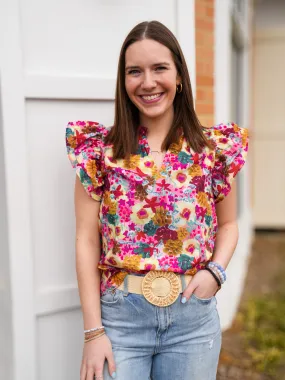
[204, 68]
[205, 24]
[205, 95]
[203, 80]
[200, 9]
[204, 54]
[206, 120]
[208, 2]
[205, 108]
[204, 38]
[204, 27]
[209, 12]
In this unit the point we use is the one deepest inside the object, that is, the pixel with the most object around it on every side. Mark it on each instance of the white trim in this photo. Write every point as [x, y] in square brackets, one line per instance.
[246, 70]
[52, 300]
[224, 22]
[186, 36]
[18, 193]
[221, 61]
[42, 86]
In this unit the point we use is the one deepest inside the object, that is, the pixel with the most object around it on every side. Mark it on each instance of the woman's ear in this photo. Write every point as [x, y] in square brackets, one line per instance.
[178, 79]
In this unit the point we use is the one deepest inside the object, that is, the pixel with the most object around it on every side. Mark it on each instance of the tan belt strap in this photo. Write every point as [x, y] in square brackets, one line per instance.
[134, 283]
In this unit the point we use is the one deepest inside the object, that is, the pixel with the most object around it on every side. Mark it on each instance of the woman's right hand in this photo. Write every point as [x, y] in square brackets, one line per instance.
[95, 353]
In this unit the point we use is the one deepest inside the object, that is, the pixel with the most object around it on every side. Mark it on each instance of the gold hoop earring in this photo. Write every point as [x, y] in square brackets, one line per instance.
[179, 88]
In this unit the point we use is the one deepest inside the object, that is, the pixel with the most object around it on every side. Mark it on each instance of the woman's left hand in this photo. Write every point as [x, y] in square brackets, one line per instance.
[203, 285]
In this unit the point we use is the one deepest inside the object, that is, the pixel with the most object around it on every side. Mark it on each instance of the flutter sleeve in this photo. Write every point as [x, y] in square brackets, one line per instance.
[231, 147]
[84, 143]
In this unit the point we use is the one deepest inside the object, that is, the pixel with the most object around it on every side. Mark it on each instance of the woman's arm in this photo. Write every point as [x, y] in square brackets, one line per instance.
[88, 250]
[227, 235]
[87, 256]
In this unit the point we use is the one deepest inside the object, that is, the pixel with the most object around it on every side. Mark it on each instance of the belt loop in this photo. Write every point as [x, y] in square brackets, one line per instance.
[183, 282]
[126, 286]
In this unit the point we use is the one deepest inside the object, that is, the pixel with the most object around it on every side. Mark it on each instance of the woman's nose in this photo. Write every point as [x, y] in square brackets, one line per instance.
[148, 82]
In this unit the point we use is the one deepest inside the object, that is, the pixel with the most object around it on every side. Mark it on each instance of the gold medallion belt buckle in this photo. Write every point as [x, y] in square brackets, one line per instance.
[161, 288]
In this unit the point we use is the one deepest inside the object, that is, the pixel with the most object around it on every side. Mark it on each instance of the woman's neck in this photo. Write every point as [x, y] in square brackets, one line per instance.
[159, 126]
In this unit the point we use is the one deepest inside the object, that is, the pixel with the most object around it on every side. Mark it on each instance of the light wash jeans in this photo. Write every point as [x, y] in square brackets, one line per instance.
[181, 341]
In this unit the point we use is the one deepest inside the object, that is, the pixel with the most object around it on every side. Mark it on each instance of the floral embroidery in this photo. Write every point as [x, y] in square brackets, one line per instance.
[156, 219]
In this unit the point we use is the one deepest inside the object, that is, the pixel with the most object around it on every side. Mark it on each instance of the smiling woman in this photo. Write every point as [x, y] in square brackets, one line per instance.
[151, 86]
[153, 82]
[151, 242]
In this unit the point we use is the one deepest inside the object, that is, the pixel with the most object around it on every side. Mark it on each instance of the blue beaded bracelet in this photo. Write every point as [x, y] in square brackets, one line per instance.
[218, 273]
[219, 269]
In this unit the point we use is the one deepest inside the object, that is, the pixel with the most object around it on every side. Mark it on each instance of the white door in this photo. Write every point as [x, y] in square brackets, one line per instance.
[67, 53]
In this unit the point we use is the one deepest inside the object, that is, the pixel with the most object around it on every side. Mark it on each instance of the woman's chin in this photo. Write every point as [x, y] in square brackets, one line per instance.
[152, 115]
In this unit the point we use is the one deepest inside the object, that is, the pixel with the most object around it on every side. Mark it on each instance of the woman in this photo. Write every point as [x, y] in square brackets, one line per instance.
[154, 191]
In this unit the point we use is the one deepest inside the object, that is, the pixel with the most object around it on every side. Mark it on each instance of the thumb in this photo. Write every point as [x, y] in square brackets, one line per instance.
[111, 365]
[188, 292]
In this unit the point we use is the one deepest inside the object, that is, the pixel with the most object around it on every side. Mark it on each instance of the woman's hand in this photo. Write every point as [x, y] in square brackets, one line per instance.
[95, 353]
[203, 285]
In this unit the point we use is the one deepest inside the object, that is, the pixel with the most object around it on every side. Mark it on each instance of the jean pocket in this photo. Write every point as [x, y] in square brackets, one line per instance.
[204, 301]
[111, 296]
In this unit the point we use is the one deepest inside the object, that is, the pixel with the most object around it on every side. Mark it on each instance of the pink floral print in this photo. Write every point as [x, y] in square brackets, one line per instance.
[156, 219]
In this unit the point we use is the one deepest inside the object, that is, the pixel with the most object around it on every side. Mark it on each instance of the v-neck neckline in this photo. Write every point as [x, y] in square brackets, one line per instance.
[144, 141]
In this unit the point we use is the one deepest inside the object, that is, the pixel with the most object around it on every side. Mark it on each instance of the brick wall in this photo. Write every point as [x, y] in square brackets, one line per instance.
[204, 27]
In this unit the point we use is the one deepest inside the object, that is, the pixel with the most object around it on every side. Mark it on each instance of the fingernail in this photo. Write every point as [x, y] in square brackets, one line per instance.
[114, 375]
[183, 299]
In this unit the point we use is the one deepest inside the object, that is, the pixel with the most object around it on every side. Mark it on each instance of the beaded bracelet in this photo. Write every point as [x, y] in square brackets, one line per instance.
[218, 266]
[218, 274]
[214, 275]
[93, 333]
[94, 329]
[86, 340]
[219, 271]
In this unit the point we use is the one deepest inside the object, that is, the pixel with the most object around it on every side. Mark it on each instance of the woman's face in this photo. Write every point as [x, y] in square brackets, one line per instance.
[151, 78]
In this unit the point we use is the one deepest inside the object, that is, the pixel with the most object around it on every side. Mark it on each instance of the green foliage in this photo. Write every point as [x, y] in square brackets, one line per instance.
[263, 323]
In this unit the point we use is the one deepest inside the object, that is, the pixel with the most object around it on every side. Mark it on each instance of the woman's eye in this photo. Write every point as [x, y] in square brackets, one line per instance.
[133, 72]
[160, 68]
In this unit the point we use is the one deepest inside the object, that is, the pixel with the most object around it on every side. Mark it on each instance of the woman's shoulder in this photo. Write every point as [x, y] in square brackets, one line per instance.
[226, 135]
[231, 147]
[85, 143]
[80, 133]
[86, 128]
[229, 129]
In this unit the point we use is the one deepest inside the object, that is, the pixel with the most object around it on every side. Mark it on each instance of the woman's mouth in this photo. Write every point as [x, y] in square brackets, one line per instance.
[153, 98]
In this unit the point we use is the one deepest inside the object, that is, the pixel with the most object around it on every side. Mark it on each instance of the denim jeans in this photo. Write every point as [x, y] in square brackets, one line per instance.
[181, 341]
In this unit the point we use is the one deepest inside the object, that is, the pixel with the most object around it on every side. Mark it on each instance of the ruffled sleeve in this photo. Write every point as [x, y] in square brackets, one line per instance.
[84, 143]
[231, 146]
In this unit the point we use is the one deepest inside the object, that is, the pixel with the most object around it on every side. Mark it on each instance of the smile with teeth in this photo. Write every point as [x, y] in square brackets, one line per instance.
[151, 97]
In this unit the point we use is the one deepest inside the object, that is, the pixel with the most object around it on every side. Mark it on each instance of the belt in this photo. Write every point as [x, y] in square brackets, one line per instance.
[159, 288]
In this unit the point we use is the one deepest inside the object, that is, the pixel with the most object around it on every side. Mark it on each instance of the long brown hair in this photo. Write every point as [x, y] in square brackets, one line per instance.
[124, 134]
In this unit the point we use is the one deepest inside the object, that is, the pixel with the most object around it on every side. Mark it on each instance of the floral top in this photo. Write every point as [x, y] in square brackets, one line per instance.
[156, 219]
